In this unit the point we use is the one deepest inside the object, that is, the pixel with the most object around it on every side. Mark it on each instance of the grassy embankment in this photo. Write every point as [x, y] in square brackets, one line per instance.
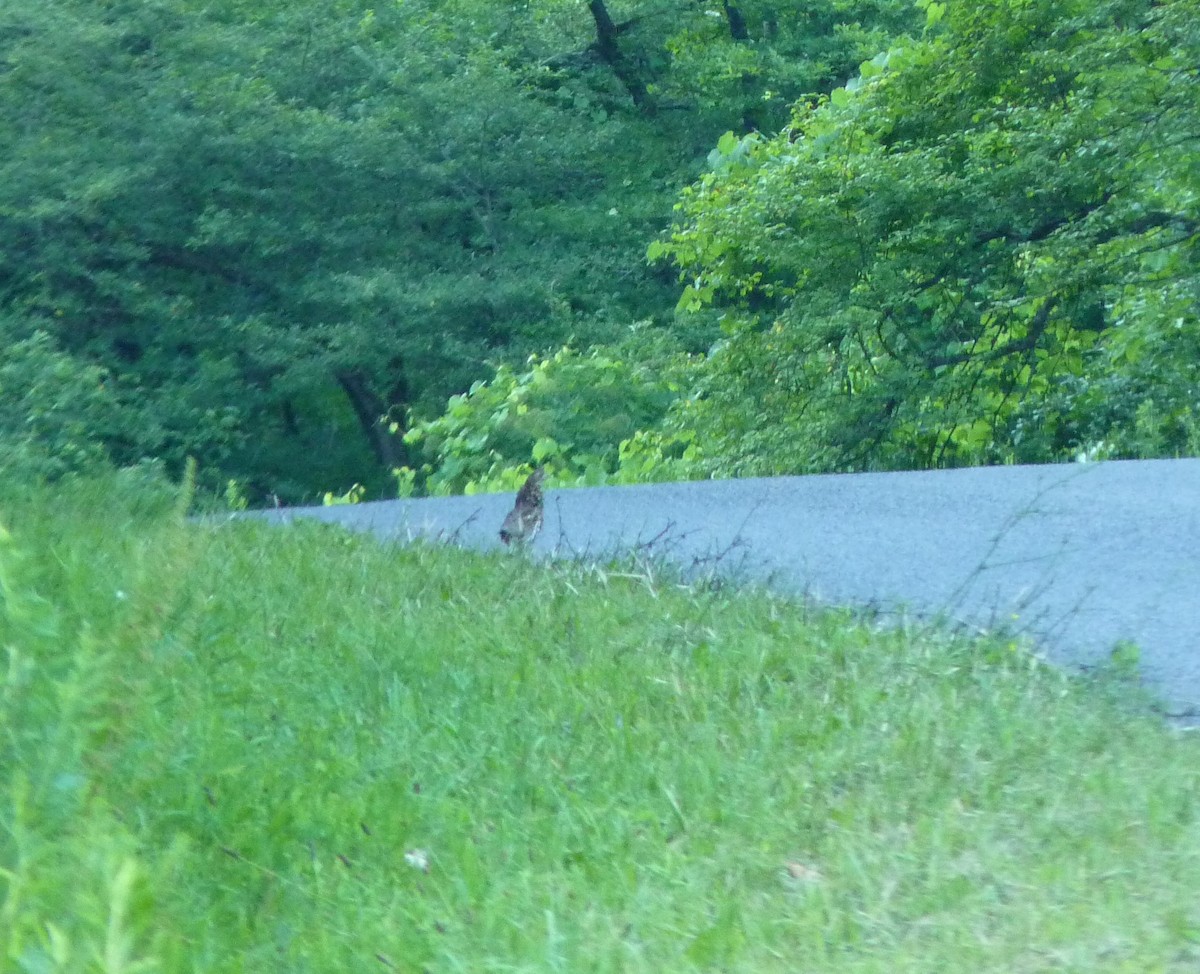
[242, 748]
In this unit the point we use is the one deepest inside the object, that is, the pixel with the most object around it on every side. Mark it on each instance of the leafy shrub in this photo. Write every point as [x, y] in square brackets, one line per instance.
[53, 411]
[570, 411]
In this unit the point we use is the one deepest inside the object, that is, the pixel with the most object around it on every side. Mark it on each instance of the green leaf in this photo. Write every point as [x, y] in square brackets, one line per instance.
[544, 448]
[728, 143]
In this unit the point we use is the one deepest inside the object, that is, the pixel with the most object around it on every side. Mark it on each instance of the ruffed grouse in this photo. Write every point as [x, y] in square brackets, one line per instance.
[525, 519]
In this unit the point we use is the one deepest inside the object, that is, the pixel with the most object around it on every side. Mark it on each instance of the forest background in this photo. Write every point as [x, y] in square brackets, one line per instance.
[322, 246]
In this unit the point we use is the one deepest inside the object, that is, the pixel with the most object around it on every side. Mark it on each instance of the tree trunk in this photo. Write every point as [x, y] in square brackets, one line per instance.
[741, 35]
[610, 51]
[737, 23]
[371, 412]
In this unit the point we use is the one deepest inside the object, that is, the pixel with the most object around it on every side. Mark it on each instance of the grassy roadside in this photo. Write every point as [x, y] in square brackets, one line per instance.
[264, 749]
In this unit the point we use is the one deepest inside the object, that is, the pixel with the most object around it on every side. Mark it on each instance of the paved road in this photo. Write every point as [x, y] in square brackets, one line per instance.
[1078, 557]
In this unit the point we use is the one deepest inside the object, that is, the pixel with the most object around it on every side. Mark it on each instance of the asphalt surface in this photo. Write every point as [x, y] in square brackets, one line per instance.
[1078, 558]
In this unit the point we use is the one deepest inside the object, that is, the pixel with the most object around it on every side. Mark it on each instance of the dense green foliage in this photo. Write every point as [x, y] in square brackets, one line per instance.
[279, 236]
[270, 224]
[984, 249]
[54, 411]
[573, 413]
[237, 746]
[280, 228]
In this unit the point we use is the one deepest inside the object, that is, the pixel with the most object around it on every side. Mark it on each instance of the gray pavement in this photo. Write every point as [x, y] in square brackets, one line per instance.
[1076, 557]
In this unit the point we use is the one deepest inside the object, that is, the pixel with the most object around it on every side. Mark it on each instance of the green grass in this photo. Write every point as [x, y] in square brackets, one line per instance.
[227, 747]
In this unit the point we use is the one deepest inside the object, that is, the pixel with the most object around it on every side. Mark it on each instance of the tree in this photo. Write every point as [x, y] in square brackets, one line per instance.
[282, 228]
[293, 222]
[958, 257]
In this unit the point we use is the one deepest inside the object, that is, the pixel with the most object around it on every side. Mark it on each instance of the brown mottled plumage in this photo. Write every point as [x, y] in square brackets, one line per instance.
[525, 519]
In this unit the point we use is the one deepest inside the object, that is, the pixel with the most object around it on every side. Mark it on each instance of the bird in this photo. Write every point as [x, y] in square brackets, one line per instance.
[525, 519]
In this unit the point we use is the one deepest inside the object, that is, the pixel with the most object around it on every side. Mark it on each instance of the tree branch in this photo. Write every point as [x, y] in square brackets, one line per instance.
[369, 409]
[610, 51]
[1037, 328]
